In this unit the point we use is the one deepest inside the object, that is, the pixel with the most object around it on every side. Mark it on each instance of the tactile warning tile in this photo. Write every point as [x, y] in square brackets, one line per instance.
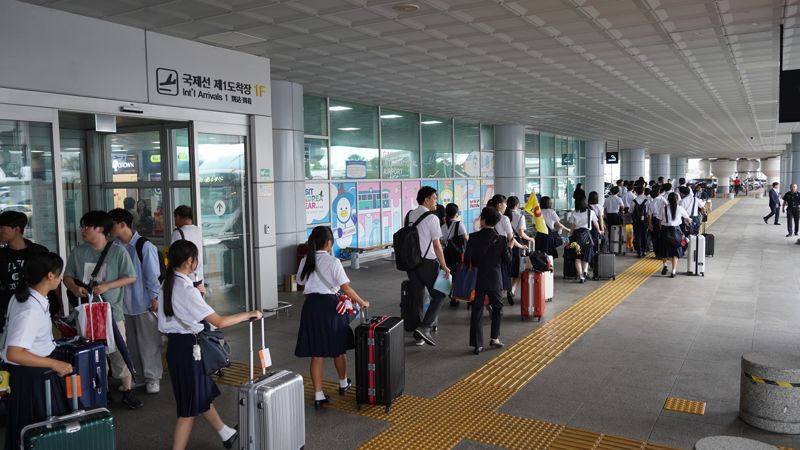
[685, 406]
[235, 375]
[468, 408]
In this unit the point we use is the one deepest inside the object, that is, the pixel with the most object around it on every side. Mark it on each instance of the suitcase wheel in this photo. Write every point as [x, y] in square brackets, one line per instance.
[387, 408]
[539, 319]
[703, 274]
[614, 278]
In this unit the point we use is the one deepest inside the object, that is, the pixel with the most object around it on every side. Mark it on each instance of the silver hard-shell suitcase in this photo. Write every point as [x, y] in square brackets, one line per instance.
[271, 410]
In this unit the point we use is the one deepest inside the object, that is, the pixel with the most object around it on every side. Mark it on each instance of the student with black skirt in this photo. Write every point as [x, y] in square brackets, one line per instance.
[671, 235]
[28, 345]
[324, 333]
[181, 312]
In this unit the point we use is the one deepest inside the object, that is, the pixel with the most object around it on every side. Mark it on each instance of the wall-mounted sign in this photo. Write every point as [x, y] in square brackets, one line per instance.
[612, 157]
[567, 159]
[123, 163]
[185, 73]
[356, 169]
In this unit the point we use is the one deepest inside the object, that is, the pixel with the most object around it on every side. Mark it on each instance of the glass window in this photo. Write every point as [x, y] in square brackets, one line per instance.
[73, 149]
[399, 144]
[223, 200]
[581, 171]
[316, 159]
[437, 147]
[180, 152]
[487, 165]
[532, 185]
[532, 155]
[354, 141]
[26, 177]
[466, 151]
[487, 137]
[561, 151]
[547, 163]
[130, 156]
[315, 115]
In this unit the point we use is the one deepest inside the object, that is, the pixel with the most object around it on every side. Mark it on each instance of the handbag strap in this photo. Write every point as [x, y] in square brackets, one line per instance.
[100, 261]
[325, 281]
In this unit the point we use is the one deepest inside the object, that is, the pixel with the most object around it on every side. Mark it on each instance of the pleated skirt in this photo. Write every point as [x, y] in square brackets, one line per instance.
[323, 333]
[194, 390]
[26, 404]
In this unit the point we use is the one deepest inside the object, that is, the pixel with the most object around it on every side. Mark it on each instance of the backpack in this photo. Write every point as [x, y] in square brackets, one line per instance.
[454, 246]
[639, 212]
[540, 262]
[139, 251]
[405, 241]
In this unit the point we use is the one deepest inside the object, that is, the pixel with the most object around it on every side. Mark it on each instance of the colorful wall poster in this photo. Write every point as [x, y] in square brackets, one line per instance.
[473, 214]
[318, 205]
[432, 183]
[410, 189]
[460, 198]
[487, 165]
[343, 207]
[369, 214]
[487, 192]
[445, 192]
[391, 209]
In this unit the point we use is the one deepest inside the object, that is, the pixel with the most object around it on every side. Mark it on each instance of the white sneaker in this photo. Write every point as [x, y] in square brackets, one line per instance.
[153, 387]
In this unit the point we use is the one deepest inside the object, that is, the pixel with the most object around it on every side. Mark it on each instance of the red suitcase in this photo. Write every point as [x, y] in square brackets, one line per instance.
[533, 297]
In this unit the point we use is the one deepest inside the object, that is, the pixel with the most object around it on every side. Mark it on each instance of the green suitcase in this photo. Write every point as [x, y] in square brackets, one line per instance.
[79, 430]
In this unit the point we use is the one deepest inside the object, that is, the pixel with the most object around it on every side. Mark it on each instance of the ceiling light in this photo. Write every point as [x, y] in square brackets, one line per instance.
[156, 142]
[405, 7]
[391, 116]
[430, 122]
[339, 108]
[349, 129]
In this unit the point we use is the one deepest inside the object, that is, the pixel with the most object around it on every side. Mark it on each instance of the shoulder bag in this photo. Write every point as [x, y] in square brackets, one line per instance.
[215, 352]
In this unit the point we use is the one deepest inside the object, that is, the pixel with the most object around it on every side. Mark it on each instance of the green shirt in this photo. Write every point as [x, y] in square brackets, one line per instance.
[117, 265]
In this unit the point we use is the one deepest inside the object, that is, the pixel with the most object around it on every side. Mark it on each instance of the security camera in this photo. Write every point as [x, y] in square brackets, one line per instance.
[751, 138]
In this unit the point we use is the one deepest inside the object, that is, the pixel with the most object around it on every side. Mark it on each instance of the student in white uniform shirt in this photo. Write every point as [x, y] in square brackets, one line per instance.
[673, 216]
[693, 206]
[594, 205]
[612, 208]
[181, 313]
[323, 332]
[186, 229]
[655, 209]
[504, 228]
[582, 221]
[638, 211]
[547, 242]
[521, 240]
[27, 346]
[424, 276]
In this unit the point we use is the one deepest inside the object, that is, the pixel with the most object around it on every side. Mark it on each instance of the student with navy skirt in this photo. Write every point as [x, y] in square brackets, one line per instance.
[181, 311]
[324, 333]
[28, 345]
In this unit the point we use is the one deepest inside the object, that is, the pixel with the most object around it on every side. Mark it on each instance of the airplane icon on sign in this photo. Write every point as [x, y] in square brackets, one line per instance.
[167, 81]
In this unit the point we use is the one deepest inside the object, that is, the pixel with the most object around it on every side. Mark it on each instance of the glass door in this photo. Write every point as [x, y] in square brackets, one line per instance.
[221, 182]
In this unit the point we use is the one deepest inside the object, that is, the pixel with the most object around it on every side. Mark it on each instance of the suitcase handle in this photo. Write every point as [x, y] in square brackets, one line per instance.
[263, 345]
[48, 395]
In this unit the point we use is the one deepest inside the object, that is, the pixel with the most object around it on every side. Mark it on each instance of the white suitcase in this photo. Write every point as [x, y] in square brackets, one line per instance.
[696, 255]
[549, 282]
[616, 241]
[271, 409]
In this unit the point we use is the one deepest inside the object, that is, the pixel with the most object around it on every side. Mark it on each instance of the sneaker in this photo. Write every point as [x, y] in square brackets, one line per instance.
[425, 335]
[153, 387]
[419, 342]
[129, 400]
[664, 270]
[496, 343]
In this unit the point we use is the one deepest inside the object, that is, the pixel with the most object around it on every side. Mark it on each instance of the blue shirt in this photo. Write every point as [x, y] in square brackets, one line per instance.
[138, 295]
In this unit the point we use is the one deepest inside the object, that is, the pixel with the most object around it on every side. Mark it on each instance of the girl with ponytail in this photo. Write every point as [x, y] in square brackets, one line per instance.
[27, 345]
[671, 236]
[324, 333]
[181, 315]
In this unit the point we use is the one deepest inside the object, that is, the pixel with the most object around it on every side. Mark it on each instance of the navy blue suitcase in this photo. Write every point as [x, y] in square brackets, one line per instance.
[88, 360]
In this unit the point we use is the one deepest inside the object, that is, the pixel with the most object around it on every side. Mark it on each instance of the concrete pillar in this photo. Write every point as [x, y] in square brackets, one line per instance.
[679, 168]
[794, 175]
[724, 170]
[704, 167]
[632, 163]
[287, 136]
[786, 167]
[771, 167]
[595, 166]
[660, 166]
[509, 160]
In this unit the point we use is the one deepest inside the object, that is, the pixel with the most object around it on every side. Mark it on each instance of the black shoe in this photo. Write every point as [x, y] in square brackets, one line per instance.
[453, 303]
[776, 223]
[129, 400]
[425, 335]
[318, 403]
[664, 270]
[789, 235]
[343, 390]
[510, 298]
[231, 440]
[477, 350]
[765, 219]
[582, 280]
[672, 275]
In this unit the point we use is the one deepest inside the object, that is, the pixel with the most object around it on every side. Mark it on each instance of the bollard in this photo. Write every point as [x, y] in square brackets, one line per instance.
[770, 392]
[730, 443]
[354, 263]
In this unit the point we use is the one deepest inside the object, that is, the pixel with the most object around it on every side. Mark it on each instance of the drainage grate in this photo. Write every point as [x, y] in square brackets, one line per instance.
[685, 406]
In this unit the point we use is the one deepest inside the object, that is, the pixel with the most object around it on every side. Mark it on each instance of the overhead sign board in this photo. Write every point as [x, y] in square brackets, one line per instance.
[612, 157]
[195, 75]
[567, 159]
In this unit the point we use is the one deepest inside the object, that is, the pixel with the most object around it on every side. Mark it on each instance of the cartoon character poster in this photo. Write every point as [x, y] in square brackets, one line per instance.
[410, 189]
[487, 192]
[318, 205]
[369, 214]
[445, 192]
[344, 223]
[391, 211]
[432, 183]
[460, 199]
[473, 205]
[487, 165]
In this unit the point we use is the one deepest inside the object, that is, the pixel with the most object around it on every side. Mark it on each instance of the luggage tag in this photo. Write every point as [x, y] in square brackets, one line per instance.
[196, 353]
[264, 356]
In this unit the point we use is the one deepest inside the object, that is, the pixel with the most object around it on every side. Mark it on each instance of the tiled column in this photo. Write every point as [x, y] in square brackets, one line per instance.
[794, 175]
[595, 162]
[509, 160]
[632, 161]
[679, 168]
[660, 166]
[287, 135]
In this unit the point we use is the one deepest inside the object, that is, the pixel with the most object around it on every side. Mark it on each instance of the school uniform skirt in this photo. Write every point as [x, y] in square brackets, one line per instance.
[587, 253]
[194, 390]
[323, 332]
[545, 243]
[26, 404]
[655, 238]
[670, 233]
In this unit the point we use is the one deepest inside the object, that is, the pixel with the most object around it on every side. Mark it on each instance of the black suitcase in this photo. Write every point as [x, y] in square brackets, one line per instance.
[603, 266]
[709, 242]
[380, 361]
[409, 315]
[569, 264]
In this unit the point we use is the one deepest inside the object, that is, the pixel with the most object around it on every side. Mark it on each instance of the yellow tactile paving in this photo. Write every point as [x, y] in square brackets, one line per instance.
[468, 408]
[685, 406]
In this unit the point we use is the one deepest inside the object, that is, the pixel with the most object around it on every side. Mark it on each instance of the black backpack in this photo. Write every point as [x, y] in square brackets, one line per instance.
[539, 261]
[454, 246]
[639, 213]
[161, 268]
[405, 241]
